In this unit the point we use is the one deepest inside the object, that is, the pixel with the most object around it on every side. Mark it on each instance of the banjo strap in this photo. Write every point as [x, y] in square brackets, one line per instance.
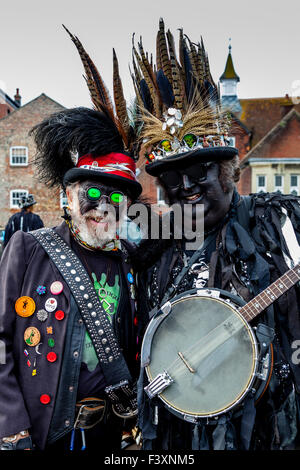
[171, 291]
[93, 314]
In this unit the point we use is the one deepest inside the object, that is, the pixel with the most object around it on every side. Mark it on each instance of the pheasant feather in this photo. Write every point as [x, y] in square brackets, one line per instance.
[120, 102]
[98, 91]
[163, 49]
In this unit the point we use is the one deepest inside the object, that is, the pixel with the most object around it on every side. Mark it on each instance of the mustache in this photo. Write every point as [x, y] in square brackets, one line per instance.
[104, 212]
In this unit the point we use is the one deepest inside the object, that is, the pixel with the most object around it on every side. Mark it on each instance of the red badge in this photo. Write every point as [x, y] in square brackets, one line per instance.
[51, 357]
[59, 315]
[45, 399]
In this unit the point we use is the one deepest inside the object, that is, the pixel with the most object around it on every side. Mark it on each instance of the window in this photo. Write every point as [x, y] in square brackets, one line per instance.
[294, 189]
[15, 195]
[278, 183]
[18, 156]
[63, 199]
[261, 183]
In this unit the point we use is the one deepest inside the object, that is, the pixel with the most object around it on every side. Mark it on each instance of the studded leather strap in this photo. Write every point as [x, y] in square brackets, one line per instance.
[97, 324]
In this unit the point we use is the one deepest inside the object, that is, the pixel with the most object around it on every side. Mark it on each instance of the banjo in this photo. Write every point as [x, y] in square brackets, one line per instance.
[201, 356]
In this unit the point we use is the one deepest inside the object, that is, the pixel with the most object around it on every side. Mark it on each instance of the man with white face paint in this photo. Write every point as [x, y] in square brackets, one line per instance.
[68, 308]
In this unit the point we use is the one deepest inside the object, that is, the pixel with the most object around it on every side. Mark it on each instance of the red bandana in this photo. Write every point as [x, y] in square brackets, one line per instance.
[114, 163]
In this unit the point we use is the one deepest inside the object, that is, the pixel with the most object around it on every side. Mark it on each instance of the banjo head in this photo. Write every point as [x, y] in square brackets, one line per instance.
[209, 351]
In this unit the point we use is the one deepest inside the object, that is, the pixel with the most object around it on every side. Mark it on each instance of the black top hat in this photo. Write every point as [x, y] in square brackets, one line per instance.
[184, 159]
[27, 201]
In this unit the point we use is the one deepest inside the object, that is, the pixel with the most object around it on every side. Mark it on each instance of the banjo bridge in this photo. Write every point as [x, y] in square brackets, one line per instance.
[186, 363]
[158, 384]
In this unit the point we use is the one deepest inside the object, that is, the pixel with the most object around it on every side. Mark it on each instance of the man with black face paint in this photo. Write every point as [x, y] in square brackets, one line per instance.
[68, 308]
[208, 380]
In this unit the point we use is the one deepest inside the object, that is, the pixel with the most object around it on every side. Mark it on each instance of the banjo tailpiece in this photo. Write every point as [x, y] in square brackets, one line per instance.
[158, 384]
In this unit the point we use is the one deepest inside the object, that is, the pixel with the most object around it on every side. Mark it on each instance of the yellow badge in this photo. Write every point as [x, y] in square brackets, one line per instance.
[25, 306]
[32, 336]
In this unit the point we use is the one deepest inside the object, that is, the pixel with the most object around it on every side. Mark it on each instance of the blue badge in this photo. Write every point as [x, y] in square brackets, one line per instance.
[130, 278]
[41, 290]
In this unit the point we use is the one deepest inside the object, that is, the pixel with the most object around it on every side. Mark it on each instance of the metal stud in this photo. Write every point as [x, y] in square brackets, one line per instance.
[97, 323]
[104, 341]
[101, 332]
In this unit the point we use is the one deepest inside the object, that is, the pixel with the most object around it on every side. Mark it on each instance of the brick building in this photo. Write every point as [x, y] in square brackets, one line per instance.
[7, 105]
[267, 133]
[273, 164]
[17, 173]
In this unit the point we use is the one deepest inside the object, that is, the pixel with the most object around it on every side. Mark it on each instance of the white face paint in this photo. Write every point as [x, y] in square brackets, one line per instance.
[97, 226]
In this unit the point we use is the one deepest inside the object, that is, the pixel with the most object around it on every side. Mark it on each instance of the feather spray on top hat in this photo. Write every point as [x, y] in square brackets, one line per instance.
[101, 98]
[102, 139]
[179, 103]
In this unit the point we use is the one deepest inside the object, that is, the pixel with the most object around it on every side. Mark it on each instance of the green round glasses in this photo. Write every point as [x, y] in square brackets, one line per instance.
[115, 198]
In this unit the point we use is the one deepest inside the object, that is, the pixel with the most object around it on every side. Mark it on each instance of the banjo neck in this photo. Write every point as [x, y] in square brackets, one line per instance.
[261, 301]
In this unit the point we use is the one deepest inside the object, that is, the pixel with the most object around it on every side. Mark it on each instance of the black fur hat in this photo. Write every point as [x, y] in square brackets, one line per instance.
[67, 136]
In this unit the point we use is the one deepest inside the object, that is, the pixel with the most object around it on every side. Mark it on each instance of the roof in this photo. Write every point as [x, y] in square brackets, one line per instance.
[260, 115]
[41, 96]
[10, 101]
[235, 119]
[229, 72]
[256, 151]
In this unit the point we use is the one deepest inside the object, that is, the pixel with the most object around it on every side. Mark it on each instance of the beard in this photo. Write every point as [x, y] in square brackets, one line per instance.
[97, 227]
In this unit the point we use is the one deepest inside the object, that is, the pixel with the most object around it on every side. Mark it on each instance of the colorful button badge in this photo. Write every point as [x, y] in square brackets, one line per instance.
[41, 290]
[130, 278]
[25, 306]
[51, 357]
[45, 399]
[42, 315]
[59, 315]
[56, 287]
[51, 304]
[32, 336]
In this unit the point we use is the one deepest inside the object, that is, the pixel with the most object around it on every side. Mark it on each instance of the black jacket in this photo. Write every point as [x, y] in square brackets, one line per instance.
[246, 259]
[24, 266]
[24, 221]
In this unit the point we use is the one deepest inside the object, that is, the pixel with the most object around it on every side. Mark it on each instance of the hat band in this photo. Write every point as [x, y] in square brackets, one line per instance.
[116, 164]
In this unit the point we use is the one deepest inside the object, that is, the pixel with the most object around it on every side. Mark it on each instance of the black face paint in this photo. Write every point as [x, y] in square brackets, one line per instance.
[199, 184]
[91, 194]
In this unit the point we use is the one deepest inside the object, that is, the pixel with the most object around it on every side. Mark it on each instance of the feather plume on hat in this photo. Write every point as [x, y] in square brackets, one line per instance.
[86, 143]
[100, 95]
[179, 102]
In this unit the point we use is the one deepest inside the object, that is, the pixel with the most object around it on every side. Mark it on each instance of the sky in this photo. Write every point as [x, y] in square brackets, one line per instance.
[37, 56]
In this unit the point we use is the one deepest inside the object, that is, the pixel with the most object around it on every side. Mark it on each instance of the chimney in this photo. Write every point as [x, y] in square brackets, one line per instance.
[17, 97]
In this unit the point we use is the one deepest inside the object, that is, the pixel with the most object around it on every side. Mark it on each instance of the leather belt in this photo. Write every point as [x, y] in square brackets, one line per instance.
[90, 412]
